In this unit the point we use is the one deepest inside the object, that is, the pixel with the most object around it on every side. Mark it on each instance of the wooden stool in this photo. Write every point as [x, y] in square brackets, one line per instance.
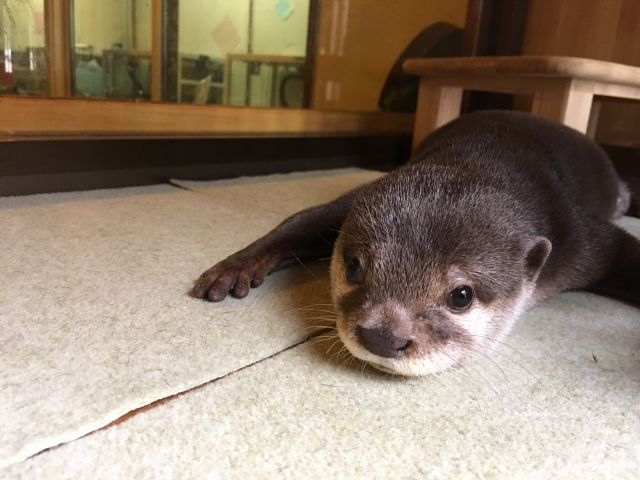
[563, 88]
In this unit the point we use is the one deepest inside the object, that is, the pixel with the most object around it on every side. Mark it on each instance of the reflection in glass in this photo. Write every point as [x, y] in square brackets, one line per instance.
[112, 49]
[361, 45]
[22, 48]
[242, 52]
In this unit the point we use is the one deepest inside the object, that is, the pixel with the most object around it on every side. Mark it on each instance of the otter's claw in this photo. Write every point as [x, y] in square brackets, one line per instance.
[235, 275]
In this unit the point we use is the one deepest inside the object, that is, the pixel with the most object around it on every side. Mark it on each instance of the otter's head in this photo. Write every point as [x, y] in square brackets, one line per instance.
[428, 270]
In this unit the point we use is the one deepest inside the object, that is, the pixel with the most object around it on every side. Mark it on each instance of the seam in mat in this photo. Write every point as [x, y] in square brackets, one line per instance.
[249, 204]
[172, 183]
[163, 400]
[176, 185]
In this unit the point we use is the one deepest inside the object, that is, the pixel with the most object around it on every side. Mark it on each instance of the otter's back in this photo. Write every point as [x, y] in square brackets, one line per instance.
[531, 154]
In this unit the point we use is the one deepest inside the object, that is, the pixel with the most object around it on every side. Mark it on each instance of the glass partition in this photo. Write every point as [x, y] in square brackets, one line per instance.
[111, 56]
[242, 52]
[23, 68]
[340, 55]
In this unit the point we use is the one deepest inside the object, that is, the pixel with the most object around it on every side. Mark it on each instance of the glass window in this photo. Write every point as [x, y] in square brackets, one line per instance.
[23, 69]
[242, 52]
[257, 52]
[112, 49]
[343, 55]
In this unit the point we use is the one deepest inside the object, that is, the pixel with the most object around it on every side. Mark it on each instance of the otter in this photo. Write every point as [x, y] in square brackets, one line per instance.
[436, 260]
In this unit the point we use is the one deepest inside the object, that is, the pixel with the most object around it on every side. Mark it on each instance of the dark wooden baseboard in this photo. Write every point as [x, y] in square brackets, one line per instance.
[56, 166]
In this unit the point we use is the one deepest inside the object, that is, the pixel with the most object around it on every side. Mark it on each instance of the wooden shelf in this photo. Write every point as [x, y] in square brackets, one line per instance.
[46, 119]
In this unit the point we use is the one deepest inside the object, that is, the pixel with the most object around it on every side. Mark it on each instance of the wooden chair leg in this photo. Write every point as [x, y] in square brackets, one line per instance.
[437, 105]
[565, 101]
[594, 116]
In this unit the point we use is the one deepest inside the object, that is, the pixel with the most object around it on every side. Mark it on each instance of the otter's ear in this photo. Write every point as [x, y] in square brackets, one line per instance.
[537, 252]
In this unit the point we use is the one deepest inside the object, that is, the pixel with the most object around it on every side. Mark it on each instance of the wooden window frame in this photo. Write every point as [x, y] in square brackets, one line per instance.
[62, 117]
[58, 34]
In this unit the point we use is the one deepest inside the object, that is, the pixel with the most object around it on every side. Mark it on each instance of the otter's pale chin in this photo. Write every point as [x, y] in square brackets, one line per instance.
[384, 369]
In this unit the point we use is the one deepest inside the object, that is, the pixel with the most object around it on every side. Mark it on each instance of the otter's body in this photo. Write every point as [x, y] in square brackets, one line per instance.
[536, 176]
[436, 260]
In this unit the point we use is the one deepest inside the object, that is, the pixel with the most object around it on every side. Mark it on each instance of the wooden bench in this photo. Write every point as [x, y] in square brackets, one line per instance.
[563, 88]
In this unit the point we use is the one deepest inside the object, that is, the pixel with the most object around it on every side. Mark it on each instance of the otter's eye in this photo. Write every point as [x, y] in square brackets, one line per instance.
[354, 270]
[461, 297]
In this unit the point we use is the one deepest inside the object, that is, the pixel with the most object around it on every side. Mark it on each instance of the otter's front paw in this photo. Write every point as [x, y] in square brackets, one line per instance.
[234, 275]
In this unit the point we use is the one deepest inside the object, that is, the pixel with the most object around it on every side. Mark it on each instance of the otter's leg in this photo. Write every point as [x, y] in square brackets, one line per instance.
[304, 235]
[622, 278]
[634, 206]
[627, 203]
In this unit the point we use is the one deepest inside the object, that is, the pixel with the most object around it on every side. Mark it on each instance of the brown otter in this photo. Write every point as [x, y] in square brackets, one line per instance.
[436, 260]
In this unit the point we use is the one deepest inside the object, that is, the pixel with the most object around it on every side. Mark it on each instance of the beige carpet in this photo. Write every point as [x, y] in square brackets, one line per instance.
[95, 316]
[541, 407]
[96, 322]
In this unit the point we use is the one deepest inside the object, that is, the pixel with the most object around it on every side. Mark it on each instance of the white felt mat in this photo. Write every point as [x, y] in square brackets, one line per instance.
[559, 400]
[295, 190]
[94, 307]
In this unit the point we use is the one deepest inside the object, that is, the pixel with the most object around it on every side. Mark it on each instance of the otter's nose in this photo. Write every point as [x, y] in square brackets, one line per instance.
[383, 341]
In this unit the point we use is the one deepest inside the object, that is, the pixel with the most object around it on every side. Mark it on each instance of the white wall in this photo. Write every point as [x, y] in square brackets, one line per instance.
[271, 34]
[142, 25]
[199, 18]
[101, 24]
[21, 24]
[104, 23]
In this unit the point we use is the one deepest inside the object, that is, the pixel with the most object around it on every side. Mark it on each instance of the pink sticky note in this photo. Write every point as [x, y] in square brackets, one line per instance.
[226, 35]
[38, 22]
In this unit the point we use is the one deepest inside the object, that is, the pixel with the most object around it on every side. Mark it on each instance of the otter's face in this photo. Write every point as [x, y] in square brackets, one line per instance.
[413, 298]
[440, 322]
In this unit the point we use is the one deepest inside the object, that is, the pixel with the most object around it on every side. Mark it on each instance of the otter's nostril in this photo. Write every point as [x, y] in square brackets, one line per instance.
[405, 346]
